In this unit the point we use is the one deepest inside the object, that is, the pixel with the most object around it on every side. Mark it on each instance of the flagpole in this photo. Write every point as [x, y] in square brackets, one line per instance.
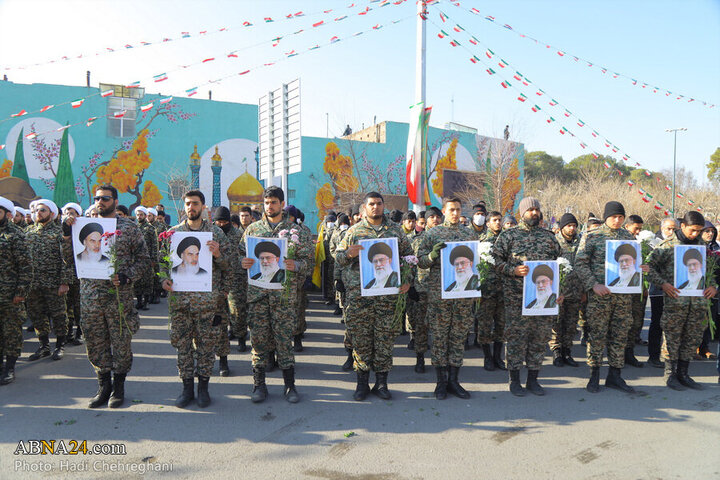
[674, 132]
[420, 90]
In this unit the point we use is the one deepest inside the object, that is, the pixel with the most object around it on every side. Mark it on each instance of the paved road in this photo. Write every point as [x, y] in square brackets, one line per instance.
[568, 434]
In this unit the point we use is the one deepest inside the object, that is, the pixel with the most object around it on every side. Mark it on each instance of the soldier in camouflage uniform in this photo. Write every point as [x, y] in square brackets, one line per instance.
[271, 313]
[450, 320]
[489, 315]
[478, 226]
[221, 218]
[51, 277]
[338, 235]
[526, 336]
[107, 334]
[72, 299]
[302, 299]
[238, 296]
[15, 280]
[155, 290]
[370, 319]
[19, 217]
[634, 225]
[417, 305]
[608, 315]
[328, 285]
[197, 317]
[683, 317]
[144, 287]
[565, 327]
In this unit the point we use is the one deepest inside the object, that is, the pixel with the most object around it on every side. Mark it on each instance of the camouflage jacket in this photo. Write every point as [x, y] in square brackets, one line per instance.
[132, 260]
[447, 232]
[47, 255]
[15, 276]
[309, 234]
[662, 269]
[479, 233]
[235, 237]
[422, 273]
[303, 256]
[361, 231]
[335, 240]
[150, 234]
[572, 288]
[160, 226]
[590, 255]
[517, 245]
[206, 303]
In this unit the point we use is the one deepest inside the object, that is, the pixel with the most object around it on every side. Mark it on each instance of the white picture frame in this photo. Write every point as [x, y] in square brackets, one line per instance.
[617, 257]
[379, 247]
[91, 249]
[540, 274]
[459, 257]
[192, 262]
[689, 260]
[269, 254]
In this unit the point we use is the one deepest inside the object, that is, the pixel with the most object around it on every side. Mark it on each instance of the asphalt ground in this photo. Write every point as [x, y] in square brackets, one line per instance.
[656, 433]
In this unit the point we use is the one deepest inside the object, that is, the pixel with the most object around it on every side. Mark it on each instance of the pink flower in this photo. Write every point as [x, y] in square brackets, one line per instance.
[283, 233]
[295, 239]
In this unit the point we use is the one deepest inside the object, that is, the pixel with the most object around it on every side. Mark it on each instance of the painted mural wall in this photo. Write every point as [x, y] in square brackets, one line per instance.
[210, 145]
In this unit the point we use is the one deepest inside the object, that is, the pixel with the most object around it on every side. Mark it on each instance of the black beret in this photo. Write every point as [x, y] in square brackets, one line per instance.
[692, 254]
[543, 270]
[267, 247]
[222, 213]
[379, 248]
[625, 249]
[567, 219]
[88, 229]
[187, 242]
[461, 251]
[480, 207]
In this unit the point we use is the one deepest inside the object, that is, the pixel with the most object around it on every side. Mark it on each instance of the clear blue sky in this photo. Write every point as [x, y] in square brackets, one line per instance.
[671, 44]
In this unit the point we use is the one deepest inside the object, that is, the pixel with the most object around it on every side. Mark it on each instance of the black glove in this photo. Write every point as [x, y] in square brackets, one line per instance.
[123, 279]
[435, 252]
[413, 294]
[339, 286]
[216, 320]
[66, 229]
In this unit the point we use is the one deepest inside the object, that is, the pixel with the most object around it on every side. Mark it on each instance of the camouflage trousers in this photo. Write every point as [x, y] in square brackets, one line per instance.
[195, 340]
[526, 336]
[44, 302]
[107, 338]
[72, 304]
[237, 301]
[565, 327]
[369, 322]
[11, 338]
[450, 321]
[417, 322]
[272, 323]
[302, 304]
[608, 321]
[638, 319]
[328, 279]
[145, 285]
[342, 302]
[490, 319]
[682, 327]
[222, 345]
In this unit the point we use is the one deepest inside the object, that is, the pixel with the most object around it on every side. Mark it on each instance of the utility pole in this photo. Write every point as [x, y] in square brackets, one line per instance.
[420, 89]
[674, 132]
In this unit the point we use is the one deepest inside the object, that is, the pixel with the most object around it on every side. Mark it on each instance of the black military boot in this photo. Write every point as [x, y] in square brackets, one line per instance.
[338, 311]
[117, 397]
[348, 365]
[454, 386]
[104, 389]
[144, 303]
[567, 357]
[671, 378]
[497, 356]
[516, 387]
[224, 369]
[532, 384]
[615, 380]
[362, 389]
[203, 396]
[442, 382]
[8, 374]
[298, 346]
[188, 393]
[74, 338]
[558, 360]
[242, 345]
[138, 303]
[43, 351]
[419, 363]
[488, 360]
[630, 358]
[260, 392]
[154, 298]
[593, 385]
[291, 395]
[380, 388]
[272, 362]
[684, 378]
[59, 351]
[655, 362]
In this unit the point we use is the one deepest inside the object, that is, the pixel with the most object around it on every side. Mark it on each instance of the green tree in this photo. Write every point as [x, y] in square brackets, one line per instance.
[714, 166]
[19, 169]
[64, 188]
[543, 165]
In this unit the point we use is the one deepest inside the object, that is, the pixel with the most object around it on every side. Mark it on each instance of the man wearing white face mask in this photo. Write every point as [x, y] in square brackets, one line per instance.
[477, 224]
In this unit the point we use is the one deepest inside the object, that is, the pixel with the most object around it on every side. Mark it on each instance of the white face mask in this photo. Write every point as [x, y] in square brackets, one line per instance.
[330, 224]
[479, 220]
[343, 227]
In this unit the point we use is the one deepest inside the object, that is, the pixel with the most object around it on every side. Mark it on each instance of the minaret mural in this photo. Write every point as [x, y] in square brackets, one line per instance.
[195, 169]
[216, 166]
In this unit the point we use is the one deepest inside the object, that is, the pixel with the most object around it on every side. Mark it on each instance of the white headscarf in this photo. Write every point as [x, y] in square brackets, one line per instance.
[140, 209]
[75, 207]
[50, 204]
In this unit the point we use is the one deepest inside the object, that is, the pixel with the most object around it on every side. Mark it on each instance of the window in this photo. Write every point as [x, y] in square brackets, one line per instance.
[124, 126]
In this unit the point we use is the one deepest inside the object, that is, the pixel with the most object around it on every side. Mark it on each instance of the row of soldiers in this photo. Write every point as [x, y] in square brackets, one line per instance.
[199, 320]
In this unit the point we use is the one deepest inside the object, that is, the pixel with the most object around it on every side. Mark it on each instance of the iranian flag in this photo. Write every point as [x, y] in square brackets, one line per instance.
[318, 23]
[146, 108]
[414, 162]
[20, 113]
[191, 91]
[489, 53]
[502, 63]
[505, 84]
[490, 71]
[606, 165]
[619, 172]
[535, 108]
[77, 103]
[595, 155]
[244, 72]
[567, 113]
[580, 123]
[648, 174]
[442, 34]
[2, 146]
[473, 40]
[30, 136]
[583, 145]
[630, 183]
[165, 100]
[641, 191]
[616, 75]
[563, 131]
[474, 59]
[699, 208]
[517, 76]
[522, 97]
[339, 19]
[658, 206]
[454, 43]
[562, 54]
[106, 93]
[119, 114]
[594, 134]
[247, 24]
[553, 102]
[208, 60]
[160, 77]
[458, 28]
[691, 203]
[540, 92]
[645, 199]
[667, 187]
[90, 121]
[268, 19]
[443, 17]
[550, 120]
[679, 195]
[135, 84]
[60, 129]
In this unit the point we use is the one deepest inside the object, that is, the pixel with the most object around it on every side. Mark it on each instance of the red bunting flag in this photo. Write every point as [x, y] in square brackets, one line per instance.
[630, 183]
[535, 108]
[595, 155]
[30, 136]
[106, 93]
[502, 63]
[489, 53]
[119, 114]
[443, 17]
[550, 120]
[606, 165]
[564, 130]
[19, 114]
[454, 43]
[553, 102]
[318, 23]
[146, 108]
[648, 173]
[522, 97]
[505, 84]
[490, 71]
[679, 195]
[77, 103]
[442, 34]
